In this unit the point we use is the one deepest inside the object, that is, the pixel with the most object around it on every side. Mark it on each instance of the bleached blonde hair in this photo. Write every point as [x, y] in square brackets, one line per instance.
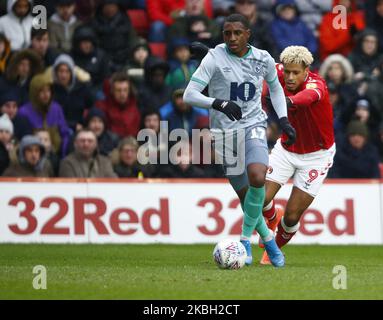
[297, 55]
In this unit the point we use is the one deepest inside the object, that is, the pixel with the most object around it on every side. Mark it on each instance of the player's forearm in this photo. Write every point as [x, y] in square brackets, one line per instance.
[305, 98]
[278, 98]
[194, 97]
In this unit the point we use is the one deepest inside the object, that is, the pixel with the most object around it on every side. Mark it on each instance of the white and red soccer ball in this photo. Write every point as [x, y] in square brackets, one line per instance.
[229, 254]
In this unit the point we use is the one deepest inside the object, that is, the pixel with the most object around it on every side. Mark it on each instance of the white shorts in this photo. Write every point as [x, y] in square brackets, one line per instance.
[307, 170]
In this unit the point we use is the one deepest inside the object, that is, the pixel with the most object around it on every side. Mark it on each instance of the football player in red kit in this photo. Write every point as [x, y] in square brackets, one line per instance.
[308, 160]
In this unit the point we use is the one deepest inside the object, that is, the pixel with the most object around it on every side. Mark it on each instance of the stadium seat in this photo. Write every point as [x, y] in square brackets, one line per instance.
[158, 49]
[381, 169]
[140, 21]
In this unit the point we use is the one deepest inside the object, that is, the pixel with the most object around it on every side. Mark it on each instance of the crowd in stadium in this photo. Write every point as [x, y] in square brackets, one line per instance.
[74, 96]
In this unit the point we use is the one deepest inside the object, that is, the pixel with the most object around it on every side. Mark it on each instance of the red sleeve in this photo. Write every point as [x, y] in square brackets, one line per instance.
[156, 12]
[304, 98]
[313, 92]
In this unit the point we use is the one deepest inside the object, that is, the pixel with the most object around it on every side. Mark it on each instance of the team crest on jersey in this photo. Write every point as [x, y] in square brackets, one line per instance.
[258, 69]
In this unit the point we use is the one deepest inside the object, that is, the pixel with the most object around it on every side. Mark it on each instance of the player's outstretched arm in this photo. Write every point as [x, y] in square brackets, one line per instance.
[200, 79]
[194, 97]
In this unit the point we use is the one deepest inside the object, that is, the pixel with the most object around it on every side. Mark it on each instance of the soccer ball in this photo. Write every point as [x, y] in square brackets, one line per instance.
[229, 254]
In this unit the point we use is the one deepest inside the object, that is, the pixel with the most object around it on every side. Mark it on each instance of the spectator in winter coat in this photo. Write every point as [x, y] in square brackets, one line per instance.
[136, 66]
[88, 56]
[365, 57]
[73, 96]
[22, 66]
[85, 161]
[95, 121]
[42, 112]
[334, 38]
[5, 53]
[355, 156]
[50, 154]
[181, 115]
[181, 65]
[154, 92]
[40, 44]
[115, 33]
[17, 24]
[260, 29]
[336, 69]
[288, 29]
[31, 160]
[9, 105]
[62, 25]
[128, 165]
[195, 25]
[365, 112]
[120, 106]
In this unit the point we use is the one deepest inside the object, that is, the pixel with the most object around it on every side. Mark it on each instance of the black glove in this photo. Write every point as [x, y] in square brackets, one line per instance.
[198, 50]
[231, 109]
[288, 129]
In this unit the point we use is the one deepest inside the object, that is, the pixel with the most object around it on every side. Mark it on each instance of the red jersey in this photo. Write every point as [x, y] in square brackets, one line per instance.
[311, 115]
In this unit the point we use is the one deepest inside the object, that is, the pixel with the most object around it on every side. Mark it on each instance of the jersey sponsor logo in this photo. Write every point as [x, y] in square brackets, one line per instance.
[226, 69]
[311, 86]
[244, 91]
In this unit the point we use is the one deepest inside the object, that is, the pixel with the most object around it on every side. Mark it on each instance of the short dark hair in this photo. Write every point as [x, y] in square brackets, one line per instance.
[119, 77]
[38, 33]
[236, 17]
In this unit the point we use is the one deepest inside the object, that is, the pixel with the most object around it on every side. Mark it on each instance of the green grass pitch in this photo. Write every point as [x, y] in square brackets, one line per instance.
[185, 272]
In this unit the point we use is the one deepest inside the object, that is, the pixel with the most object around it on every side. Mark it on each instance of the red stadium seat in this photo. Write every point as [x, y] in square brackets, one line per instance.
[381, 169]
[158, 49]
[140, 21]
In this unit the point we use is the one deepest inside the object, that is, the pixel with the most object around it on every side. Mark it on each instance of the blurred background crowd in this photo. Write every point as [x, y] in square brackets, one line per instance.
[74, 96]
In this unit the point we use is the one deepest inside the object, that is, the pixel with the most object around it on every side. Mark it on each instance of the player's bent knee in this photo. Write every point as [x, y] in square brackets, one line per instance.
[256, 180]
[257, 176]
